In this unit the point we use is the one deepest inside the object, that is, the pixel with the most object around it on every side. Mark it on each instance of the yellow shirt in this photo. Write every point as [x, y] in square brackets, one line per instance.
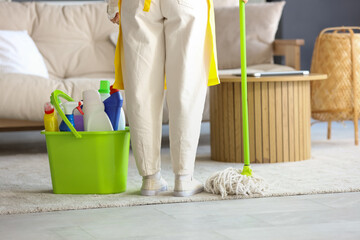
[210, 43]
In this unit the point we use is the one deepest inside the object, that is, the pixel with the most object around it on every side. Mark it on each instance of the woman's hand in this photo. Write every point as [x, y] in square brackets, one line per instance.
[245, 1]
[116, 18]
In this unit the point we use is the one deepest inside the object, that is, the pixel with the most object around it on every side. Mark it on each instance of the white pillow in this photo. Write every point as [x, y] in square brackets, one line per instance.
[19, 54]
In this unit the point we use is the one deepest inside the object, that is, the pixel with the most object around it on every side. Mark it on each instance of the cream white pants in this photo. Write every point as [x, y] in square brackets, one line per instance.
[169, 39]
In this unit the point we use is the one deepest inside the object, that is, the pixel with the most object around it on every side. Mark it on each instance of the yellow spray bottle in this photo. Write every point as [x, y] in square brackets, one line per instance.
[50, 118]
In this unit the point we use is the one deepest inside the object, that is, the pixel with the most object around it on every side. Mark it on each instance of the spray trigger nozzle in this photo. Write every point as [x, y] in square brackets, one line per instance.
[79, 108]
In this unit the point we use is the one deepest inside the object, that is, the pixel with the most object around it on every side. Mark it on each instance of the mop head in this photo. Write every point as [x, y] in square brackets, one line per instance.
[232, 182]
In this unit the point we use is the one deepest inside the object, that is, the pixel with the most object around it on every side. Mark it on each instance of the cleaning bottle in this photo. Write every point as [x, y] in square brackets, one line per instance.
[95, 118]
[122, 120]
[50, 118]
[104, 89]
[68, 110]
[79, 118]
[113, 108]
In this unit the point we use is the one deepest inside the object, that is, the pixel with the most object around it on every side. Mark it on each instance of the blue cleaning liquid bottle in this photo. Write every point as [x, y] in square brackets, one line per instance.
[113, 108]
[68, 110]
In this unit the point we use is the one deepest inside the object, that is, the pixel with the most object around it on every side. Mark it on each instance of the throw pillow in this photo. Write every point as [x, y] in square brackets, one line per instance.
[262, 22]
[19, 54]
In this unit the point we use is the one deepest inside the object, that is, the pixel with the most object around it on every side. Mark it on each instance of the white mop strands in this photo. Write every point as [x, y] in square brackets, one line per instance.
[232, 182]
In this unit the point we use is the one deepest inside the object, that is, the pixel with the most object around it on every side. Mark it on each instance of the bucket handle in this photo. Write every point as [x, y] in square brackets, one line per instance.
[55, 101]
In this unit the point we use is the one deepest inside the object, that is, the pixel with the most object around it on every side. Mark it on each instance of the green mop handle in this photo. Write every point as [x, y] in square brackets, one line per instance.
[244, 84]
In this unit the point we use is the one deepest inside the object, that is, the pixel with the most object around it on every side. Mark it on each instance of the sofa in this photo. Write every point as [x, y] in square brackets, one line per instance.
[76, 43]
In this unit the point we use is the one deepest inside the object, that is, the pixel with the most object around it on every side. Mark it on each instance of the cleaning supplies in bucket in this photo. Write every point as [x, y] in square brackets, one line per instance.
[98, 111]
[50, 118]
[86, 162]
[95, 118]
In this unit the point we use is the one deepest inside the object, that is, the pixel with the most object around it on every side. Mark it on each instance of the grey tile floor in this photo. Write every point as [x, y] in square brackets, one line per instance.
[330, 216]
[323, 216]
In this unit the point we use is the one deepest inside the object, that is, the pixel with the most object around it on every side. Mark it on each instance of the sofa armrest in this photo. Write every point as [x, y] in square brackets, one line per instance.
[290, 49]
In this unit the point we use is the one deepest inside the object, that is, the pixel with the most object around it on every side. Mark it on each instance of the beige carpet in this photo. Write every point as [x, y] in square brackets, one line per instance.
[25, 184]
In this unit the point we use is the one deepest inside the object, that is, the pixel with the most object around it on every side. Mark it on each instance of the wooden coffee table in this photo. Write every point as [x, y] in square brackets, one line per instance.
[279, 118]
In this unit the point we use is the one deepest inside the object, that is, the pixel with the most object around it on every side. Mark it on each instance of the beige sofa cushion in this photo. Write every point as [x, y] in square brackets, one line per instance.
[262, 22]
[29, 93]
[9, 16]
[74, 40]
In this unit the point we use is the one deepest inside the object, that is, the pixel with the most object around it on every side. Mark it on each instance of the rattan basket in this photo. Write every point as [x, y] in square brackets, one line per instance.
[337, 54]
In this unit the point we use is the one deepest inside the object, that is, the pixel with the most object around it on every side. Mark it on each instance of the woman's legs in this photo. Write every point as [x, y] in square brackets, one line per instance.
[179, 26]
[144, 52]
[186, 68]
[186, 77]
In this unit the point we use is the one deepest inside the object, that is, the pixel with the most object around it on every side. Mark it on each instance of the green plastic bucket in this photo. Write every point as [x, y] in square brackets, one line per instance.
[87, 162]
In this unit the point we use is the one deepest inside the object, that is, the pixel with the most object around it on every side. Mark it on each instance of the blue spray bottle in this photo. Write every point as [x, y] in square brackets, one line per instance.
[68, 110]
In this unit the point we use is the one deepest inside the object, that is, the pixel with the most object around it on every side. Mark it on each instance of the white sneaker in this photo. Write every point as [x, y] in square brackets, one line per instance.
[153, 184]
[186, 185]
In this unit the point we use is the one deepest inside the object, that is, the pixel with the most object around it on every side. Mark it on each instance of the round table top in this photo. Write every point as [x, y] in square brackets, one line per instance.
[282, 78]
